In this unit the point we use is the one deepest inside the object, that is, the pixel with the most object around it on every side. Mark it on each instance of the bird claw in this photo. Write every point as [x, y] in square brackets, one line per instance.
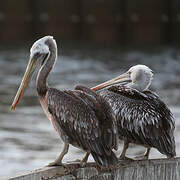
[82, 164]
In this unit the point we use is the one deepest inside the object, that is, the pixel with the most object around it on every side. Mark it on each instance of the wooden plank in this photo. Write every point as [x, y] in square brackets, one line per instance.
[38, 174]
[130, 170]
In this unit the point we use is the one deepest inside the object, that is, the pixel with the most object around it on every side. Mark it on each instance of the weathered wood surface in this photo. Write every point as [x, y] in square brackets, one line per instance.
[159, 169]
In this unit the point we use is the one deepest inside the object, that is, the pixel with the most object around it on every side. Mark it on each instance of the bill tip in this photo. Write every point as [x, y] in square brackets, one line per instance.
[12, 108]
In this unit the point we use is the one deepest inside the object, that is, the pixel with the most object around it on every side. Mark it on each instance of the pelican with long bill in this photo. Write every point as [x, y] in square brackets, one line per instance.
[70, 111]
[142, 117]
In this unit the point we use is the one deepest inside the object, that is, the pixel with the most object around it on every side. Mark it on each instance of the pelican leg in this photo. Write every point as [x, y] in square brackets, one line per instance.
[145, 156]
[84, 160]
[123, 153]
[58, 161]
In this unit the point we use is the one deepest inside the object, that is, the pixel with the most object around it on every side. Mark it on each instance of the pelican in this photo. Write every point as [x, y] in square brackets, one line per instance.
[142, 117]
[81, 117]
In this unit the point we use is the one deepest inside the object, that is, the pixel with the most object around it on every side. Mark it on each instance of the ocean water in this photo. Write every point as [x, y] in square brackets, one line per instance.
[27, 139]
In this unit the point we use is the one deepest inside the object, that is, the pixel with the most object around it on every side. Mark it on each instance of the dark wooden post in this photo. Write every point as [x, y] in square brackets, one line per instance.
[147, 21]
[14, 19]
[103, 21]
[175, 21]
[2, 19]
[59, 18]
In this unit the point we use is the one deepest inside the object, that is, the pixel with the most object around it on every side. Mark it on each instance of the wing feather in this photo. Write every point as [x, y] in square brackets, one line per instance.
[142, 118]
[80, 121]
[72, 115]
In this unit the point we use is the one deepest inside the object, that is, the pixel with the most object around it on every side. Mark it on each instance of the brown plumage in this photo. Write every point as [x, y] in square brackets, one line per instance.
[142, 118]
[84, 120]
[81, 117]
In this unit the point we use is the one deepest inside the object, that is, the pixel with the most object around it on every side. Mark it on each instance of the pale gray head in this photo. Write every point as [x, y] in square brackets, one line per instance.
[40, 49]
[140, 77]
[40, 52]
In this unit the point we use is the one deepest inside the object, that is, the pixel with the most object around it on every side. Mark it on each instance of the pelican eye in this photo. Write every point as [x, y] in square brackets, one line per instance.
[36, 55]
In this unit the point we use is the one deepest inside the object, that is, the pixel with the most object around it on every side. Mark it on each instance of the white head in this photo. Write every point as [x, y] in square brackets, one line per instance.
[40, 47]
[140, 77]
[40, 53]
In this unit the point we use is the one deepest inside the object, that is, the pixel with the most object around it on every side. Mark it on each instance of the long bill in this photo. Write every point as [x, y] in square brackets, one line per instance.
[27, 75]
[122, 78]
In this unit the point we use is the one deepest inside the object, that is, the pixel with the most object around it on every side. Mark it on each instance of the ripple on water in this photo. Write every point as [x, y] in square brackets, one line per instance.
[27, 139]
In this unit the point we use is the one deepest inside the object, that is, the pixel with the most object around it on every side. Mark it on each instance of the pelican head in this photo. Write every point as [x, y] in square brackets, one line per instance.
[140, 77]
[39, 53]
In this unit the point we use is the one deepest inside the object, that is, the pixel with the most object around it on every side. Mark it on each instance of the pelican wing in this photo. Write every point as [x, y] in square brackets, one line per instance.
[79, 121]
[142, 118]
[103, 112]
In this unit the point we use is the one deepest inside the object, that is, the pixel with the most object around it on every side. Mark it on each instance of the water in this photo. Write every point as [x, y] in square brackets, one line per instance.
[27, 139]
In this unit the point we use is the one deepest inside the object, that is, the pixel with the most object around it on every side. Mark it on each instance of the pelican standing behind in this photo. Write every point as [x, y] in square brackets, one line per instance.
[81, 117]
[142, 118]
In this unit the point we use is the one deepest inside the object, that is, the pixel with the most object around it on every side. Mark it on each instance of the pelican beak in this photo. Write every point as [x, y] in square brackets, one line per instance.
[27, 75]
[122, 78]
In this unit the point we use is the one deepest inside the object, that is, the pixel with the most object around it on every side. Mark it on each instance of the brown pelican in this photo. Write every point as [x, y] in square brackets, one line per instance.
[142, 118]
[81, 117]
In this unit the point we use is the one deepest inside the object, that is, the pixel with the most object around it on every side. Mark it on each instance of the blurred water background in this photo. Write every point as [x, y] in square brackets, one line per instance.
[27, 139]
